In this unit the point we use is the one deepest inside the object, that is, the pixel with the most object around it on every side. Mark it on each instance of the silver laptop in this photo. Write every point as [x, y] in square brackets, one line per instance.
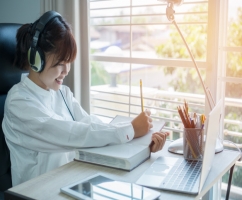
[178, 174]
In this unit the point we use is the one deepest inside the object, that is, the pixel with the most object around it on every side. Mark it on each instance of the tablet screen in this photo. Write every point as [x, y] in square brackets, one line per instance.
[101, 188]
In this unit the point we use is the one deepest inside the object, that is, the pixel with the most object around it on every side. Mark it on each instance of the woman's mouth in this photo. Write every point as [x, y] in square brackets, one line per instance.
[59, 81]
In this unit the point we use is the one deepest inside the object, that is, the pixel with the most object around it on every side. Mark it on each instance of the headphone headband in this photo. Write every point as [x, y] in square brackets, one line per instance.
[45, 18]
[35, 54]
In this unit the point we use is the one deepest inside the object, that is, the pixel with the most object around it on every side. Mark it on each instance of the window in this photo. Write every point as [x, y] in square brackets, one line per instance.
[132, 40]
[230, 79]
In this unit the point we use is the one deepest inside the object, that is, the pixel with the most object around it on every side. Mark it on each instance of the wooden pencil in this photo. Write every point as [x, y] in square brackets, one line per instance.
[182, 117]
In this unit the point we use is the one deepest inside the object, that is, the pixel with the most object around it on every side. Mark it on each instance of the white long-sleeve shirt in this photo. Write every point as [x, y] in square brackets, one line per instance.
[41, 134]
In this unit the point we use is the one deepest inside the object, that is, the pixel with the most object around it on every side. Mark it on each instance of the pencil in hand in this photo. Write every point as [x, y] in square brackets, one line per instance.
[141, 96]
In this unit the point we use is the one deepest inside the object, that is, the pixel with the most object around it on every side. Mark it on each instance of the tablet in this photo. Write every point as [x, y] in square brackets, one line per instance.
[101, 187]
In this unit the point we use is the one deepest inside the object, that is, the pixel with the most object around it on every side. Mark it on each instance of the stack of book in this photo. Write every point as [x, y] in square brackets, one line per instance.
[123, 156]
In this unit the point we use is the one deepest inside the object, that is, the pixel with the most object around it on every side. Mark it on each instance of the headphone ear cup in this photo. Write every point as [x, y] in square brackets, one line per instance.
[39, 61]
[41, 64]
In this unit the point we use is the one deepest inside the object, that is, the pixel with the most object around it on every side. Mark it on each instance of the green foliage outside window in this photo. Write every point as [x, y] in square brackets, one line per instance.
[196, 36]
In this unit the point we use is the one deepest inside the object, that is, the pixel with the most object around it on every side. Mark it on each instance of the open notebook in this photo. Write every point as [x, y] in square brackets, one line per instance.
[123, 156]
[178, 174]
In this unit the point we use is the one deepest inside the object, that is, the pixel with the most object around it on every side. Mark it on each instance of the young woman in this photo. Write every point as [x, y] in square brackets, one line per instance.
[43, 123]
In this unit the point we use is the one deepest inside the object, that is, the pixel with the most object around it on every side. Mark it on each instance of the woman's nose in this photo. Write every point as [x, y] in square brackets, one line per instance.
[66, 69]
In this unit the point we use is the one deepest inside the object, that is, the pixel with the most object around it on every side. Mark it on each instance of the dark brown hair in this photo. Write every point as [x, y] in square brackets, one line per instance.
[56, 38]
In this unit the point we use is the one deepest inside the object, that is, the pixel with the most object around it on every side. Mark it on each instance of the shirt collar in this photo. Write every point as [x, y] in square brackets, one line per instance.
[31, 85]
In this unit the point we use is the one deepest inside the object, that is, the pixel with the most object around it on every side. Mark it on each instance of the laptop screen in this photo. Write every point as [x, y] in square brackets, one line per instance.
[212, 131]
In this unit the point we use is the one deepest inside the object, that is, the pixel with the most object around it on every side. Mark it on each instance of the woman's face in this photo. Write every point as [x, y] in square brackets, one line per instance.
[52, 76]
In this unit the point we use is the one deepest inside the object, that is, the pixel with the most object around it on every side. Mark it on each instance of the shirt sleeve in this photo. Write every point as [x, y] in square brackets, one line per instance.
[29, 123]
[125, 130]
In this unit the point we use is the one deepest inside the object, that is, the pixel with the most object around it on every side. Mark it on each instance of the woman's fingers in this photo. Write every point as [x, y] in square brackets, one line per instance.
[159, 139]
[142, 124]
[147, 111]
[153, 145]
[156, 145]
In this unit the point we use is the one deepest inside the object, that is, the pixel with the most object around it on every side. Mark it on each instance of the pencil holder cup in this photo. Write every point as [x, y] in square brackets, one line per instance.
[193, 143]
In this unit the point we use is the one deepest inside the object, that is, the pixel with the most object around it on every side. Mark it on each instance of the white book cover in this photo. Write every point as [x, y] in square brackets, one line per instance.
[123, 156]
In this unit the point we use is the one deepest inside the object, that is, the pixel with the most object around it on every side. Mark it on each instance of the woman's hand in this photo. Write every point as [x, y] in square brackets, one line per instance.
[158, 141]
[142, 124]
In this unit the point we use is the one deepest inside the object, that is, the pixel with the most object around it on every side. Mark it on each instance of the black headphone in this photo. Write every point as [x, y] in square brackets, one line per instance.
[36, 56]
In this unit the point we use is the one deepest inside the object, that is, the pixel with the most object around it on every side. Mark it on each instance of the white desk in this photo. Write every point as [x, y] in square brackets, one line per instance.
[47, 186]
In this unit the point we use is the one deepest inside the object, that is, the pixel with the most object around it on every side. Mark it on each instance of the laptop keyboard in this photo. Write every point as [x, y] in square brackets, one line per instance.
[183, 175]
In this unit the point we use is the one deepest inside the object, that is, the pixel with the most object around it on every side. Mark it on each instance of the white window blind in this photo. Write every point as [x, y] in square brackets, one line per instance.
[132, 40]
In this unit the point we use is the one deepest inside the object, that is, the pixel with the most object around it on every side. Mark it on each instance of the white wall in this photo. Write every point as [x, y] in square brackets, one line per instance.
[19, 11]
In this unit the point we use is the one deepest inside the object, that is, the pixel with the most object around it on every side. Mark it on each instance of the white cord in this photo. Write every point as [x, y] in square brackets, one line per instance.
[236, 147]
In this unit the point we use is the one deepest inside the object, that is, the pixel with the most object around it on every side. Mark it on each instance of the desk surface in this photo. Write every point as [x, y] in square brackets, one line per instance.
[47, 186]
